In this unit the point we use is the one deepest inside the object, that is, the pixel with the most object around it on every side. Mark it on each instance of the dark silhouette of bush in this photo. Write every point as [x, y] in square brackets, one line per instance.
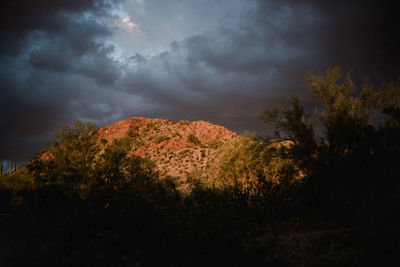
[351, 163]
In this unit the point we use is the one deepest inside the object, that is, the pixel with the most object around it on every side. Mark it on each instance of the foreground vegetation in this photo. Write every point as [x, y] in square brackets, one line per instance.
[328, 195]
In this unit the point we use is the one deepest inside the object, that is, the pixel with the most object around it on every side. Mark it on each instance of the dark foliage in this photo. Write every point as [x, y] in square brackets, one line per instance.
[351, 169]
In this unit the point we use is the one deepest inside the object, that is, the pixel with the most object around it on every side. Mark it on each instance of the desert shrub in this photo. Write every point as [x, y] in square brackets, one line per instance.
[133, 134]
[175, 134]
[73, 164]
[161, 138]
[183, 123]
[349, 164]
[16, 182]
[151, 127]
[70, 159]
[136, 143]
[255, 170]
[193, 139]
[104, 141]
[214, 143]
[14, 188]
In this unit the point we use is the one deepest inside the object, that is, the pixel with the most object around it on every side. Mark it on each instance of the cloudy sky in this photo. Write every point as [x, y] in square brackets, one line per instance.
[216, 60]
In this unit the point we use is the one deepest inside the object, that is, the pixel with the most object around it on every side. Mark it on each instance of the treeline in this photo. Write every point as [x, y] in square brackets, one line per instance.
[338, 169]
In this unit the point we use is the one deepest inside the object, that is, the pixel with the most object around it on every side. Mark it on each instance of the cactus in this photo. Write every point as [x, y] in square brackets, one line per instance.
[15, 165]
[10, 168]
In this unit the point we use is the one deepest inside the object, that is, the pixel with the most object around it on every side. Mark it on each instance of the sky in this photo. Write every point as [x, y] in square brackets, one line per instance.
[221, 61]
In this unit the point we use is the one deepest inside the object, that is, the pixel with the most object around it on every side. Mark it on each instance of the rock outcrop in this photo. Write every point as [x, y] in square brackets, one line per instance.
[178, 149]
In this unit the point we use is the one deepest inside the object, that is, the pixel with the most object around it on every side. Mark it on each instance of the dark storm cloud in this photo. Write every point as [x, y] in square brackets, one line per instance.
[267, 54]
[363, 34]
[57, 65]
[54, 67]
[19, 18]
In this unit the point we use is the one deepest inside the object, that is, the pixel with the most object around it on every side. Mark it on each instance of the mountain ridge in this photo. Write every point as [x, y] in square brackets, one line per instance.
[178, 149]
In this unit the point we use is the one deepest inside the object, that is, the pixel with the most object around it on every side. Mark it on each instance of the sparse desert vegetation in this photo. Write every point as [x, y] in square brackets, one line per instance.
[143, 192]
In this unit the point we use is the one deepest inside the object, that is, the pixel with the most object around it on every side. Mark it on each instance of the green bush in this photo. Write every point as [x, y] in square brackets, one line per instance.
[161, 138]
[193, 139]
[215, 143]
[183, 123]
[70, 160]
[16, 186]
[348, 165]
[73, 164]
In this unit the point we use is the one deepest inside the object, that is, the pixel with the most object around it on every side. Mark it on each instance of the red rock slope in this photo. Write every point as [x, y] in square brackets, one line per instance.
[178, 148]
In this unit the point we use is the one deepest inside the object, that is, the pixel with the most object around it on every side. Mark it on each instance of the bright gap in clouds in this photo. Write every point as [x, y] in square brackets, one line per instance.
[149, 27]
[129, 23]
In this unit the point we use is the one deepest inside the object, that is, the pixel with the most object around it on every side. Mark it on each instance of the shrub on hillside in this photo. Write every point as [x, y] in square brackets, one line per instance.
[193, 139]
[73, 164]
[183, 123]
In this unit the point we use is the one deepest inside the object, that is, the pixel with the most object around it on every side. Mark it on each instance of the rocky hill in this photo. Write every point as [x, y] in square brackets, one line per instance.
[178, 149]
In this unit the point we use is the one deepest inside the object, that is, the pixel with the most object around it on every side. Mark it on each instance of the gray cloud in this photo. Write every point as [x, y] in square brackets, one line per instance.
[53, 65]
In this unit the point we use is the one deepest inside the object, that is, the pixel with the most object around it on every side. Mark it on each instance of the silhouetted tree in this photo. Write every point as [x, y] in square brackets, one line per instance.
[351, 165]
[70, 159]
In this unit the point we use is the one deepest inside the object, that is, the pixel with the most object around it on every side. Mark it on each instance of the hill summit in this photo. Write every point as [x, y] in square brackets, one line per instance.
[178, 149]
